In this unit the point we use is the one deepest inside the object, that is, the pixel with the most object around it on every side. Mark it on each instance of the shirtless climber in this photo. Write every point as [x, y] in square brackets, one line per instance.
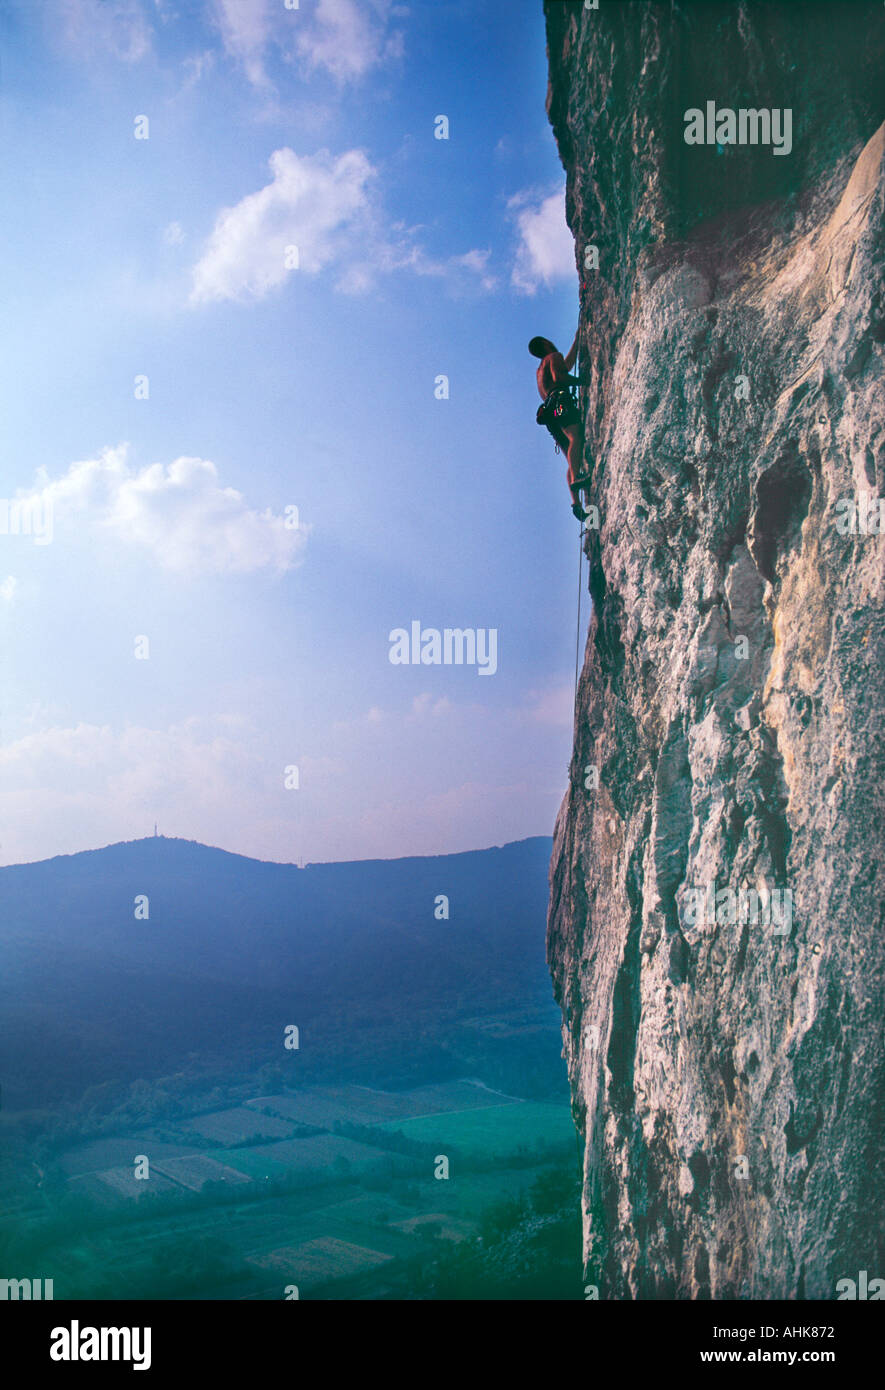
[560, 413]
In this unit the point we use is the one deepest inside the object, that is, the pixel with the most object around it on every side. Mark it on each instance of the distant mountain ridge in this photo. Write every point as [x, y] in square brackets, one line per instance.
[233, 949]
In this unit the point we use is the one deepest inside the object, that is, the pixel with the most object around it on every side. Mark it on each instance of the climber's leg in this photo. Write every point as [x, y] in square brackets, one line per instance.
[575, 437]
[575, 457]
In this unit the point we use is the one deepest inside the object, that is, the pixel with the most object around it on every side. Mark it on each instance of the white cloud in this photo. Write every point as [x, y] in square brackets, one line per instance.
[328, 208]
[75, 787]
[8, 589]
[400, 251]
[385, 782]
[347, 39]
[546, 250]
[308, 204]
[179, 512]
[473, 262]
[95, 28]
[425, 703]
[195, 66]
[554, 706]
[173, 234]
[478, 261]
[245, 31]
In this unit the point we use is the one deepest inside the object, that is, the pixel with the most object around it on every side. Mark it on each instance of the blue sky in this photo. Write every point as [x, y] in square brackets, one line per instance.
[271, 386]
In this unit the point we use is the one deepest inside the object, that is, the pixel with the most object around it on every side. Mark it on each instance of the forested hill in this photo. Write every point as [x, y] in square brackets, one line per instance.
[157, 955]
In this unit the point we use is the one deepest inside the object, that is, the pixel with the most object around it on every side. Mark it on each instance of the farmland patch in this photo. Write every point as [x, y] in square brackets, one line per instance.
[195, 1170]
[318, 1261]
[239, 1126]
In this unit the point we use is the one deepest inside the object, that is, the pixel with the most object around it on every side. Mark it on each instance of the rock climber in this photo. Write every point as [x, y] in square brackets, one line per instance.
[560, 413]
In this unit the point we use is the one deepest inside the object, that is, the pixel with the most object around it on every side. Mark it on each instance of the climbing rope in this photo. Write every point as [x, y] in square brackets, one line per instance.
[580, 586]
[580, 549]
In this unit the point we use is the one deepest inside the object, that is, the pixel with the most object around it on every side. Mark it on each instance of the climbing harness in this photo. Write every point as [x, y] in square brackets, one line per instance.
[559, 407]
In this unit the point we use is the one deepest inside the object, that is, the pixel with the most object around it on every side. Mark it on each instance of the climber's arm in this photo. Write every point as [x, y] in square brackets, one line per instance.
[560, 368]
[571, 356]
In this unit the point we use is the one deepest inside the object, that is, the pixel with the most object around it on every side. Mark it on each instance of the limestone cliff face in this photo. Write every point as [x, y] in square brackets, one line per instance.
[727, 1075]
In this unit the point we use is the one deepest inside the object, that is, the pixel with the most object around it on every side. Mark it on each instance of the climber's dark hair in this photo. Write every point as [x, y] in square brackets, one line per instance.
[539, 347]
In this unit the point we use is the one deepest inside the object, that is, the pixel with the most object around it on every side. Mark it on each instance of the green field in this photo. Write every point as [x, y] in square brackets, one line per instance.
[119, 1151]
[196, 1170]
[527, 1127]
[238, 1126]
[337, 1213]
[321, 1152]
[365, 1105]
